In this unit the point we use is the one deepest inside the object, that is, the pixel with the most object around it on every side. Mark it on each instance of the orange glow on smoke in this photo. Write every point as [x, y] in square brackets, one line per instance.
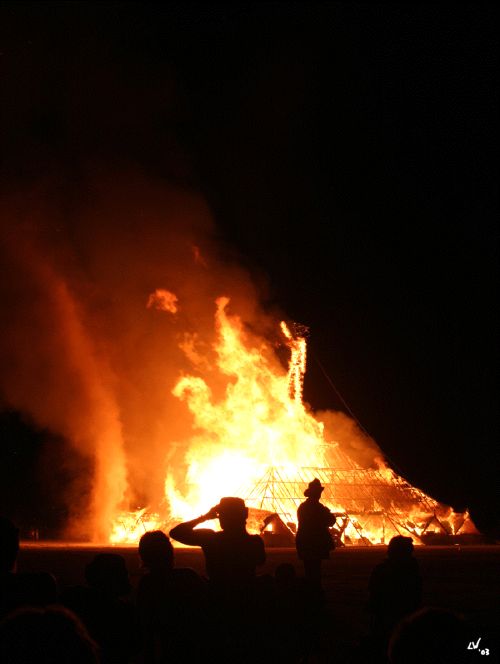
[163, 300]
[162, 412]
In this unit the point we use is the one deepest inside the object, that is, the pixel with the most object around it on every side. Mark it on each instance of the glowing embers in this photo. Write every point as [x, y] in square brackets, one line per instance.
[297, 363]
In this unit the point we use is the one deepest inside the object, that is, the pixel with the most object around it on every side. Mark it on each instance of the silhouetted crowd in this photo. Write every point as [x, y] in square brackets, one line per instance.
[231, 615]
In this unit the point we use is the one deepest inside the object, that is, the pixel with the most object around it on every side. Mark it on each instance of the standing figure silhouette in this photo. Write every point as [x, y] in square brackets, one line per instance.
[313, 540]
[395, 587]
[238, 601]
[170, 604]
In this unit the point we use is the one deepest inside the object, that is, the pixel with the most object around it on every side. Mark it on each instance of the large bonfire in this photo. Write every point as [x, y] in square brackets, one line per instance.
[253, 437]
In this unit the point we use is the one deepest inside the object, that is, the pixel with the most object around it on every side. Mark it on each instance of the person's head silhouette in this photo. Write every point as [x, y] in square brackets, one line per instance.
[232, 514]
[107, 572]
[314, 490]
[156, 551]
[430, 636]
[400, 548]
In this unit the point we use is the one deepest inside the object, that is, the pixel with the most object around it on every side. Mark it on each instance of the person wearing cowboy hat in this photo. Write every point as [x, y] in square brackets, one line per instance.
[313, 540]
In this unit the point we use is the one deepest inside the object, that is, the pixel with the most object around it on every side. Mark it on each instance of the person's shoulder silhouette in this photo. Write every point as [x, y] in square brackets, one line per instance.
[232, 554]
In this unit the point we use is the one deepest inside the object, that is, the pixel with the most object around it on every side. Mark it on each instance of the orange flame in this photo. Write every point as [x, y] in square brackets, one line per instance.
[256, 423]
[260, 421]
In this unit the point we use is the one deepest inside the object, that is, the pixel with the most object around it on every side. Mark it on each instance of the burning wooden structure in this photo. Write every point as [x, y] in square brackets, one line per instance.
[260, 442]
[371, 505]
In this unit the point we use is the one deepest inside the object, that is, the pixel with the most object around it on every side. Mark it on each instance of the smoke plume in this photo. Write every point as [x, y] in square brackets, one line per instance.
[108, 297]
[82, 353]
[358, 445]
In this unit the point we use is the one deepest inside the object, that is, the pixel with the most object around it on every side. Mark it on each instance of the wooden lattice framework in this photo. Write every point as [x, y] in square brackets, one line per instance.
[368, 499]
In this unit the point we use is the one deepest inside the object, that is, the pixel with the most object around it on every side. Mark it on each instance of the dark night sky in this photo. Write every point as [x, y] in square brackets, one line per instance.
[348, 154]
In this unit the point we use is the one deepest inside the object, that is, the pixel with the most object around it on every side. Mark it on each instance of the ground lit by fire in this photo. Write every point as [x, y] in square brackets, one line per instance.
[258, 427]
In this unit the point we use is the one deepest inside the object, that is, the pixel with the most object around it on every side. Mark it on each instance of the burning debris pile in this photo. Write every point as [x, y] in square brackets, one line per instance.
[257, 440]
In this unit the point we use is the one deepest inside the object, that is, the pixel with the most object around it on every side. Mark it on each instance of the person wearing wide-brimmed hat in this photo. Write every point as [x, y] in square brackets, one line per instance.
[313, 540]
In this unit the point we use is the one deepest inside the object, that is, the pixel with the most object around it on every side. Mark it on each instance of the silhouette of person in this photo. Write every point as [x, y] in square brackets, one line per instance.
[170, 603]
[9, 546]
[238, 603]
[431, 636]
[232, 555]
[19, 589]
[156, 552]
[46, 636]
[395, 586]
[103, 608]
[313, 540]
[293, 619]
